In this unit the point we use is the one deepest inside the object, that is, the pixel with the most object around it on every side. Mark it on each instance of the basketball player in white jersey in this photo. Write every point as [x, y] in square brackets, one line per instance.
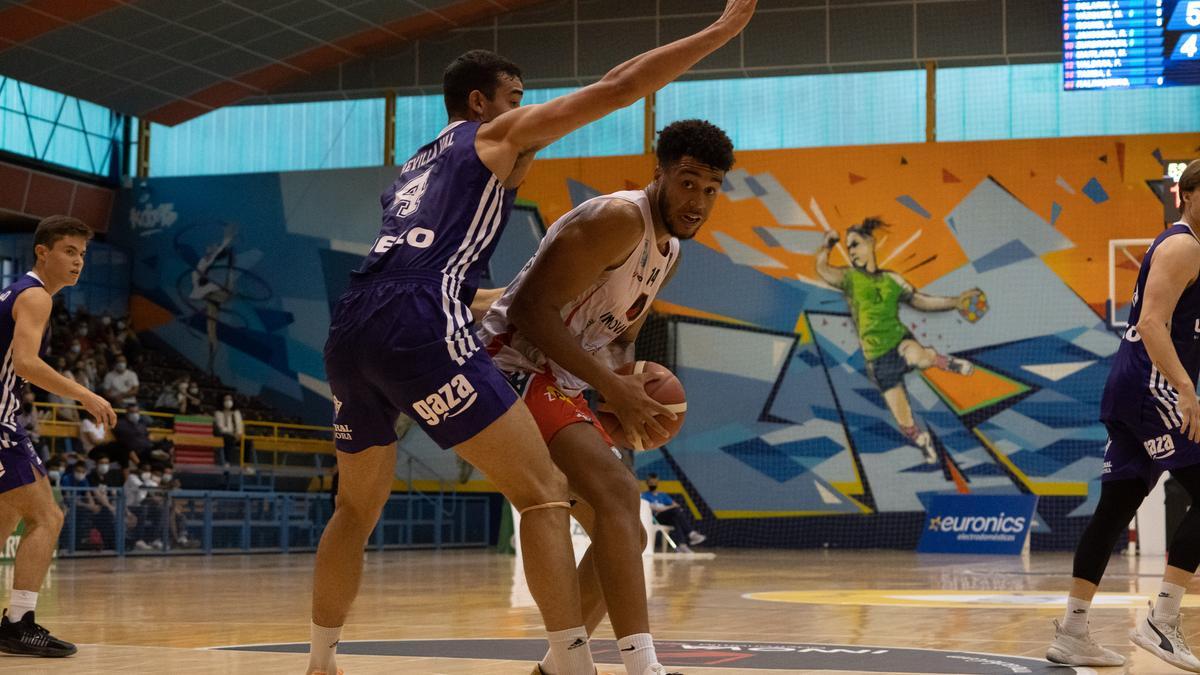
[567, 320]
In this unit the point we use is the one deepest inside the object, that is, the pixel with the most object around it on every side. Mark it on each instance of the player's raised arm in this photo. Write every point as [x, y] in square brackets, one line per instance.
[30, 313]
[529, 128]
[834, 276]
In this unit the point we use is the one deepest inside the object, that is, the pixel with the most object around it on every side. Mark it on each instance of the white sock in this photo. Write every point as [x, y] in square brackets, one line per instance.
[1075, 622]
[547, 664]
[1170, 597]
[322, 653]
[640, 655]
[570, 651]
[20, 602]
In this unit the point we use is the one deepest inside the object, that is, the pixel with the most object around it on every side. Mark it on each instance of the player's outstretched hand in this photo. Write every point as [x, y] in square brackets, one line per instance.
[737, 14]
[1189, 410]
[637, 410]
[101, 409]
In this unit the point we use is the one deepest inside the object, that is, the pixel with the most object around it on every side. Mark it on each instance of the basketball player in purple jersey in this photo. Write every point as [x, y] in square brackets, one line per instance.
[401, 338]
[1153, 419]
[59, 244]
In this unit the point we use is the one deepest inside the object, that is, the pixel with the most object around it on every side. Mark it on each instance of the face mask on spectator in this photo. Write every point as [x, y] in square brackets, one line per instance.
[229, 404]
[82, 332]
[120, 325]
[120, 366]
[166, 479]
[80, 475]
[55, 475]
[102, 468]
[75, 348]
[193, 390]
[105, 320]
[134, 417]
[156, 480]
[145, 476]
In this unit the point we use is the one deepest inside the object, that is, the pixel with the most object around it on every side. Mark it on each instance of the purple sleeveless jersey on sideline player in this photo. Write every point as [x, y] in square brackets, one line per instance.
[401, 338]
[1139, 405]
[19, 462]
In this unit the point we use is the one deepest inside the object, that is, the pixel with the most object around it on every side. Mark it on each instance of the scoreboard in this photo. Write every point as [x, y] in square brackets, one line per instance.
[1118, 44]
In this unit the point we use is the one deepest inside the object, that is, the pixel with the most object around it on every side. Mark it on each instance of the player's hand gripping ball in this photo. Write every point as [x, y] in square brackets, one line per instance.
[973, 305]
[666, 389]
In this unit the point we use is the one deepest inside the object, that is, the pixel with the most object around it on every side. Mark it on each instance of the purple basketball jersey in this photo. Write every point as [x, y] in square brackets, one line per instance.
[1134, 381]
[19, 464]
[443, 214]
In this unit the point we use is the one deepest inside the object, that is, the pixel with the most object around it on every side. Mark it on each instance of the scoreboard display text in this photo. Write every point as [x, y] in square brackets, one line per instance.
[1119, 44]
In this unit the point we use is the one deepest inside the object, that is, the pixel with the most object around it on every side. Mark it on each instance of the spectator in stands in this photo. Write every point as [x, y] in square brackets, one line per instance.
[27, 418]
[75, 348]
[67, 412]
[170, 395]
[54, 471]
[81, 334]
[668, 512]
[121, 383]
[91, 432]
[128, 341]
[95, 513]
[189, 398]
[77, 476]
[103, 474]
[229, 426]
[146, 506]
[85, 376]
[133, 434]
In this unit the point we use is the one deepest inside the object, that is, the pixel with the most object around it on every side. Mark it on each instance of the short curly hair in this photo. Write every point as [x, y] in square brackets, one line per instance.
[700, 140]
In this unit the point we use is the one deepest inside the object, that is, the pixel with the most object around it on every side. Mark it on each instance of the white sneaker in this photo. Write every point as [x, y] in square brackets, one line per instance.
[683, 548]
[1080, 650]
[925, 443]
[695, 538]
[142, 546]
[658, 669]
[1165, 640]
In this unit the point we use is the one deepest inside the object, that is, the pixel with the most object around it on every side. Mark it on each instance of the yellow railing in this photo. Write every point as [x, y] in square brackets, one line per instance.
[275, 438]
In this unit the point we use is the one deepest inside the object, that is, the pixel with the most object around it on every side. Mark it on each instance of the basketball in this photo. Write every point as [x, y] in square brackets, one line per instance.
[974, 308]
[666, 389]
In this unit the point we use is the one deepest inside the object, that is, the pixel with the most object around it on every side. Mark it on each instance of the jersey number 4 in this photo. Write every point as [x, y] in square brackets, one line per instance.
[408, 198]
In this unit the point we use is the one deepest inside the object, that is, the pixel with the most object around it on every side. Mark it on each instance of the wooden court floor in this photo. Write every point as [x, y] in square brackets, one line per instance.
[163, 615]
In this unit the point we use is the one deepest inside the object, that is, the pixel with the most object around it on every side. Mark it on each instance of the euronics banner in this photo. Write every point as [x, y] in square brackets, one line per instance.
[977, 523]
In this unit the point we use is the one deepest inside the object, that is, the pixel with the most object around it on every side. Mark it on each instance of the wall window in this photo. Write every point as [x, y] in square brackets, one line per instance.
[420, 118]
[1028, 101]
[278, 137]
[765, 113]
[57, 128]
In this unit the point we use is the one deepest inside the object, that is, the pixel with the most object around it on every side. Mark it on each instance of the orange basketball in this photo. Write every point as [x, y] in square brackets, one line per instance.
[664, 388]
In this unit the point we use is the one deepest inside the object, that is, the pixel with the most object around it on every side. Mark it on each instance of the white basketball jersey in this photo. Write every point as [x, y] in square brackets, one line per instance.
[600, 314]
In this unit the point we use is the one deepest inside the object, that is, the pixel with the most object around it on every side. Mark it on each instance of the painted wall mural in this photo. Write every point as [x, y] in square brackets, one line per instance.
[840, 391]
[822, 391]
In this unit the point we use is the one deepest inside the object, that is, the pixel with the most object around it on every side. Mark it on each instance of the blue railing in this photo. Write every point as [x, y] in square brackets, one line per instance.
[155, 521]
